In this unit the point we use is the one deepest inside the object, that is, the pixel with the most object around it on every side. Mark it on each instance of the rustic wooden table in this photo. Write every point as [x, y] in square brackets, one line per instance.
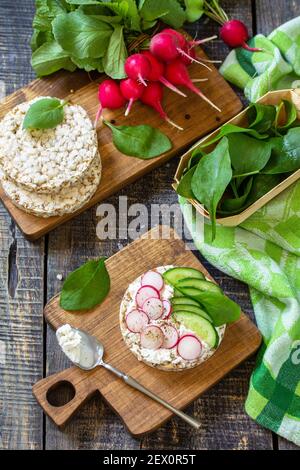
[28, 279]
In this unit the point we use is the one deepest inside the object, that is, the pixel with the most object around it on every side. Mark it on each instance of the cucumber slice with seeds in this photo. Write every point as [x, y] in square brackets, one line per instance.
[200, 326]
[192, 309]
[200, 284]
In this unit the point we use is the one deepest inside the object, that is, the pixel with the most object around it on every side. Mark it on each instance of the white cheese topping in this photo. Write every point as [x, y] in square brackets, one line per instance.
[69, 341]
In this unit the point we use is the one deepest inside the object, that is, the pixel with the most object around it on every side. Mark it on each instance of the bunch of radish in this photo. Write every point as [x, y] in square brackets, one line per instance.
[150, 307]
[165, 64]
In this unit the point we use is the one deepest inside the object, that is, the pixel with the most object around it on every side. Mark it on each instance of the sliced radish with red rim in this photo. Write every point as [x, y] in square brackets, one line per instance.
[153, 307]
[170, 336]
[167, 309]
[154, 279]
[152, 337]
[189, 347]
[136, 321]
[144, 293]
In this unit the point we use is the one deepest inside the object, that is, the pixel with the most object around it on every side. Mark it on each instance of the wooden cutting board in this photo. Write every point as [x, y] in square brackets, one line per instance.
[139, 413]
[192, 113]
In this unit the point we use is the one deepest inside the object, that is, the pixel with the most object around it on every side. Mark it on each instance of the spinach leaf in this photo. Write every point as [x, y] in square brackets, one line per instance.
[81, 35]
[261, 117]
[248, 155]
[228, 129]
[85, 287]
[234, 205]
[220, 307]
[143, 141]
[45, 113]
[261, 185]
[170, 10]
[184, 187]
[211, 178]
[116, 54]
[285, 155]
[49, 58]
[290, 115]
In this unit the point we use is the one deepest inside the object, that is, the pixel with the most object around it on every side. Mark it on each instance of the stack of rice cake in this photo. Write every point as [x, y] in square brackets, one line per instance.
[49, 172]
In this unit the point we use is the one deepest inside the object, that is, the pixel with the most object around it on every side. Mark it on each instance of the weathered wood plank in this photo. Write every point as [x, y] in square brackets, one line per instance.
[21, 270]
[269, 15]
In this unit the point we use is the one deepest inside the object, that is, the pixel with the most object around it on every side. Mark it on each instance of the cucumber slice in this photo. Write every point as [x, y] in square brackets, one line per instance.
[173, 275]
[202, 328]
[184, 301]
[192, 309]
[200, 284]
[177, 294]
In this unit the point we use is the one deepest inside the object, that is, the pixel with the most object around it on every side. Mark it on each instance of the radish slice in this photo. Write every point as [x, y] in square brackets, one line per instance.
[152, 337]
[167, 309]
[153, 307]
[136, 321]
[189, 347]
[170, 336]
[144, 293]
[154, 279]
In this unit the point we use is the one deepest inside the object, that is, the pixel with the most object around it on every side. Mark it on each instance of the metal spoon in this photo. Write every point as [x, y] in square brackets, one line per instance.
[92, 352]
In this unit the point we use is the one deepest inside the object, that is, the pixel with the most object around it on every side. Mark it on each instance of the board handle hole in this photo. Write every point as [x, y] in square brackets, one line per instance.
[61, 393]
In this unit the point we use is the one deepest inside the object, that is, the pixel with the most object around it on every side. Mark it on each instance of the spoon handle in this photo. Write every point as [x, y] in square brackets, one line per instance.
[133, 383]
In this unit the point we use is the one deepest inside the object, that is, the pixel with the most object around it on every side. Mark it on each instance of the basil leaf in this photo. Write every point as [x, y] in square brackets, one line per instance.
[81, 35]
[143, 141]
[49, 58]
[261, 117]
[184, 187]
[228, 129]
[211, 178]
[285, 155]
[248, 155]
[116, 54]
[235, 205]
[45, 113]
[85, 287]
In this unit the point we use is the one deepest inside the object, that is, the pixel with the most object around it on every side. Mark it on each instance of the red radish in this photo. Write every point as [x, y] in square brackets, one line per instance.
[109, 96]
[137, 67]
[152, 96]
[136, 321]
[152, 337]
[153, 307]
[189, 347]
[144, 293]
[157, 73]
[132, 91]
[185, 42]
[170, 336]
[167, 309]
[154, 279]
[235, 34]
[177, 73]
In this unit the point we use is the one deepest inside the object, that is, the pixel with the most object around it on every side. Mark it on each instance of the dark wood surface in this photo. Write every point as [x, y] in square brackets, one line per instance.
[28, 279]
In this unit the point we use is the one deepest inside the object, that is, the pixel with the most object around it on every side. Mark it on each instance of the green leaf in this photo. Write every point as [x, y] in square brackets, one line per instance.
[228, 129]
[45, 113]
[116, 54]
[170, 10]
[143, 141]
[285, 155]
[248, 155]
[290, 115]
[46, 11]
[85, 287]
[81, 35]
[235, 205]
[89, 64]
[184, 187]
[261, 117]
[128, 10]
[49, 58]
[211, 178]
[39, 38]
[193, 10]
[220, 307]
[83, 2]
[261, 185]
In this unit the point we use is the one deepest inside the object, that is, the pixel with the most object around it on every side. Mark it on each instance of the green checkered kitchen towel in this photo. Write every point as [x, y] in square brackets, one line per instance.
[276, 68]
[264, 252]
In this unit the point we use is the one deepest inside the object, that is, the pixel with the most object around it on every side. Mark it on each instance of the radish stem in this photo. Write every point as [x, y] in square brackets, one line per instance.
[165, 82]
[192, 59]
